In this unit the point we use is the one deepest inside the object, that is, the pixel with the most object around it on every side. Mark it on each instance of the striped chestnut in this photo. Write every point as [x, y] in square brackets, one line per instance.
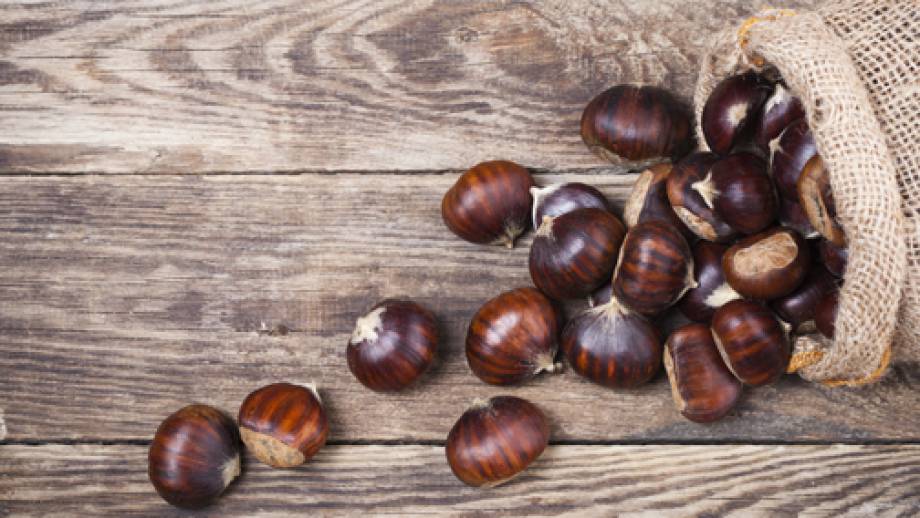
[817, 199]
[648, 200]
[629, 123]
[513, 337]
[612, 346]
[654, 270]
[788, 154]
[573, 254]
[490, 203]
[283, 425]
[768, 265]
[833, 257]
[798, 307]
[688, 193]
[779, 111]
[730, 112]
[561, 198]
[703, 388]
[495, 440]
[741, 192]
[826, 313]
[392, 345]
[194, 456]
[712, 290]
[751, 340]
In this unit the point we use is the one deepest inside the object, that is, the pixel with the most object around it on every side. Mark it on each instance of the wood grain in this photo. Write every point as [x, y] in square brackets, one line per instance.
[876, 481]
[281, 85]
[123, 298]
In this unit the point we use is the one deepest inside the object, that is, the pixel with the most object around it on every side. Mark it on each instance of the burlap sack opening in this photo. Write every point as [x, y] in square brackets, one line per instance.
[856, 67]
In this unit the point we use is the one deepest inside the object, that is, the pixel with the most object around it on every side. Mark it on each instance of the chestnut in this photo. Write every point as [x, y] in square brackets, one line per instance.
[798, 307]
[741, 192]
[601, 295]
[282, 424]
[688, 191]
[826, 313]
[779, 111]
[814, 187]
[636, 124]
[513, 337]
[732, 107]
[612, 346]
[768, 265]
[561, 198]
[703, 388]
[194, 456]
[495, 440]
[712, 290]
[833, 257]
[788, 156]
[490, 203]
[751, 341]
[573, 254]
[655, 268]
[392, 345]
[648, 200]
[792, 215]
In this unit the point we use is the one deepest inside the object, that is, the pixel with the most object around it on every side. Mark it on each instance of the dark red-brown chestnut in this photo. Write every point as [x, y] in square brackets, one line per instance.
[730, 113]
[834, 257]
[686, 185]
[495, 440]
[612, 346]
[490, 203]
[573, 254]
[392, 345]
[712, 290]
[817, 199]
[601, 295]
[826, 313]
[194, 456]
[798, 307]
[648, 200]
[283, 424]
[788, 156]
[629, 123]
[780, 110]
[751, 341]
[792, 215]
[704, 390]
[561, 198]
[768, 265]
[741, 192]
[655, 268]
[513, 337]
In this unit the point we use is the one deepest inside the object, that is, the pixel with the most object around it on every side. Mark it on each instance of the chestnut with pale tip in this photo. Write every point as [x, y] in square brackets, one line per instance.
[283, 424]
[768, 265]
[495, 440]
[731, 109]
[562, 198]
[513, 337]
[817, 199]
[490, 203]
[573, 254]
[688, 188]
[751, 341]
[833, 257]
[711, 290]
[654, 270]
[741, 192]
[798, 307]
[779, 111]
[788, 154]
[637, 124]
[392, 345]
[703, 388]
[612, 346]
[826, 313]
[194, 456]
[648, 200]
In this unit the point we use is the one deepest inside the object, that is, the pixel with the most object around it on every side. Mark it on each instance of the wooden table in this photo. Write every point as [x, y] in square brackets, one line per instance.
[199, 198]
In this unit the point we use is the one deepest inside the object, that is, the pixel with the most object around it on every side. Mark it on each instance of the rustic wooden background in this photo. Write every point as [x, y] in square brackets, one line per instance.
[198, 198]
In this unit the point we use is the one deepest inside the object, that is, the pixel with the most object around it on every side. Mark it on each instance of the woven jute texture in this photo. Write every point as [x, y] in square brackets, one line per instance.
[856, 67]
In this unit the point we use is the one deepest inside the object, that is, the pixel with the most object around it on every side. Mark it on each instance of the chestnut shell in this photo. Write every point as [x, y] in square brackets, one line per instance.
[817, 200]
[799, 306]
[703, 388]
[731, 110]
[826, 313]
[283, 425]
[752, 341]
[767, 265]
[685, 185]
[654, 270]
[743, 195]
[712, 290]
[648, 200]
[561, 198]
[834, 257]
[779, 111]
[789, 153]
[792, 215]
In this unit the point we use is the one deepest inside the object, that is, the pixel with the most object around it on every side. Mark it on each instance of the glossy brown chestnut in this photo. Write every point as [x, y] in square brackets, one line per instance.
[513, 337]
[573, 254]
[731, 110]
[686, 186]
[495, 440]
[834, 257]
[636, 123]
[703, 388]
[490, 203]
[768, 265]
[648, 200]
[741, 192]
[792, 215]
[780, 110]
[612, 346]
[788, 156]
[798, 307]
[601, 295]
[194, 456]
[561, 198]
[751, 341]
[654, 270]
[392, 345]
[817, 199]
[712, 290]
[826, 313]
[283, 425]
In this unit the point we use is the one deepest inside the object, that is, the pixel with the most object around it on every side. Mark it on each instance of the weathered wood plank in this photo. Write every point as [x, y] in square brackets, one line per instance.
[123, 298]
[877, 481]
[161, 86]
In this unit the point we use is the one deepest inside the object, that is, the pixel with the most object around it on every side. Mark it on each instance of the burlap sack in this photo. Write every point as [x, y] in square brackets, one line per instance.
[856, 67]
